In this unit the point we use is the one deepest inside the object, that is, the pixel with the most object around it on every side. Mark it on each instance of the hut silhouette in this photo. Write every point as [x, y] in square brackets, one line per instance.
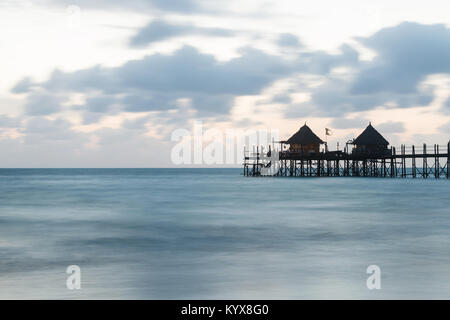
[304, 141]
[370, 142]
[369, 157]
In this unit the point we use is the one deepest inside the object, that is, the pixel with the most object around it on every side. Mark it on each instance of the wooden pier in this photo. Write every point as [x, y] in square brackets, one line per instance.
[369, 156]
[408, 162]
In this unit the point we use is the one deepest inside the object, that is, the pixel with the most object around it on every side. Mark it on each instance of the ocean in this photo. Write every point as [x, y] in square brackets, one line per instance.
[214, 234]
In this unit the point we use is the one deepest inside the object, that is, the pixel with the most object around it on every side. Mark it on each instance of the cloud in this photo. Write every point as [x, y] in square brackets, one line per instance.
[22, 86]
[159, 30]
[446, 107]
[281, 98]
[40, 129]
[386, 127]
[289, 40]
[335, 99]
[141, 101]
[321, 62]
[54, 143]
[99, 104]
[95, 107]
[344, 123]
[9, 122]
[391, 127]
[42, 104]
[157, 81]
[405, 55]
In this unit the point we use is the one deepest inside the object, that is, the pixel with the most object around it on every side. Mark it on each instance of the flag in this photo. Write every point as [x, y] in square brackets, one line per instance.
[327, 132]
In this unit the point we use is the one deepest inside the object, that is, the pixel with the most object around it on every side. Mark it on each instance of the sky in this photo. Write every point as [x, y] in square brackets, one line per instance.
[107, 83]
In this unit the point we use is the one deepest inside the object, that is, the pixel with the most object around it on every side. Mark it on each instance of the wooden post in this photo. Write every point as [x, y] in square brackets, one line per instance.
[392, 162]
[448, 160]
[257, 159]
[425, 165]
[403, 161]
[295, 167]
[318, 167]
[437, 165]
[310, 168]
[364, 164]
[337, 171]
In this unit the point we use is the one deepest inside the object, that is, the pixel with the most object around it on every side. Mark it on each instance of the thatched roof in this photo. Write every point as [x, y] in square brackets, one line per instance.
[370, 136]
[304, 136]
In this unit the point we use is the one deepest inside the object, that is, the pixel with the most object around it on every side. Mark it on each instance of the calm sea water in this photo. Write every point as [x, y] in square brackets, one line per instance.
[213, 234]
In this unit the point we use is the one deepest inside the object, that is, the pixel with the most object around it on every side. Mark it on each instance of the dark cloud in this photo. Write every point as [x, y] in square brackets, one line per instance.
[42, 104]
[22, 86]
[100, 104]
[157, 81]
[289, 40]
[335, 99]
[85, 80]
[187, 70]
[9, 122]
[159, 30]
[446, 107]
[91, 117]
[406, 54]
[141, 101]
[96, 107]
[40, 129]
[321, 62]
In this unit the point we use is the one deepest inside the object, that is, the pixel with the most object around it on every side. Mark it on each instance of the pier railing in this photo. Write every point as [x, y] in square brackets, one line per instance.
[405, 161]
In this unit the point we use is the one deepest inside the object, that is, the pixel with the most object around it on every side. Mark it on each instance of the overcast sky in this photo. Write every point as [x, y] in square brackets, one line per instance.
[105, 83]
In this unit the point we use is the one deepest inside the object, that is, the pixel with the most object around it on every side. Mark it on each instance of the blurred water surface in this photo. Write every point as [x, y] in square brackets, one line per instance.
[213, 234]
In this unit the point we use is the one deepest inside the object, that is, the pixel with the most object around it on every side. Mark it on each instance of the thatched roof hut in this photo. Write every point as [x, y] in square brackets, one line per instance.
[370, 142]
[305, 136]
[304, 141]
[370, 136]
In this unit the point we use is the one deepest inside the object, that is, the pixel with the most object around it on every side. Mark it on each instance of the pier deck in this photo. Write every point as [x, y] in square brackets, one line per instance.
[406, 163]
